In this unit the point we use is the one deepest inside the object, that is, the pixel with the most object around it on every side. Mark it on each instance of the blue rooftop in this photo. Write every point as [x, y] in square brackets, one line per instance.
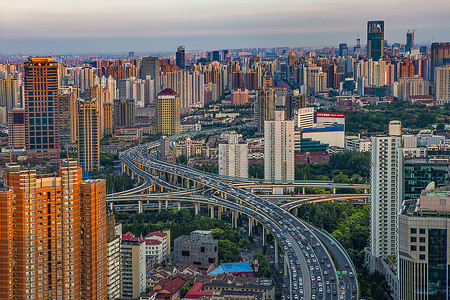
[324, 129]
[238, 267]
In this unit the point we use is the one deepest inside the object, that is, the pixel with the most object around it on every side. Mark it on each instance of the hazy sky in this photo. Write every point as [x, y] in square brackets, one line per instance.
[118, 26]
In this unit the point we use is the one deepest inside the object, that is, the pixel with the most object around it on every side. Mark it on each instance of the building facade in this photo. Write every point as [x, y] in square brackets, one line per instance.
[198, 248]
[16, 128]
[124, 112]
[442, 84]
[279, 148]
[40, 99]
[375, 39]
[168, 112]
[42, 251]
[233, 156]
[133, 266]
[89, 134]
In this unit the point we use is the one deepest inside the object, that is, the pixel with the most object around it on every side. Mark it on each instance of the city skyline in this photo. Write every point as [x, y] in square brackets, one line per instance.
[162, 26]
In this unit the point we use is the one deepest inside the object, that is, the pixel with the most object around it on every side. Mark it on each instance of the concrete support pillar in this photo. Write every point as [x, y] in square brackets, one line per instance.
[304, 190]
[197, 208]
[159, 206]
[162, 189]
[365, 191]
[334, 190]
[111, 205]
[273, 191]
[296, 211]
[188, 184]
[264, 236]
[179, 205]
[252, 190]
[219, 212]
[276, 252]
[167, 204]
[250, 226]
[212, 211]
[141, 206]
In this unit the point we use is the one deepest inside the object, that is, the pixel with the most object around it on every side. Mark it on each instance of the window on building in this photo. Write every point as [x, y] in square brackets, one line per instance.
[413, 248]
[422, 230]
[422, 256]
[202, 249]
[413, 230]
[211, 260]
[422, 248]
[422, 239]
[413, 239]
[185, 253]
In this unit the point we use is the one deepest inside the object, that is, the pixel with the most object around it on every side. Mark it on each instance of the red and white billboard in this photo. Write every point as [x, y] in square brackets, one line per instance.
[330, 115]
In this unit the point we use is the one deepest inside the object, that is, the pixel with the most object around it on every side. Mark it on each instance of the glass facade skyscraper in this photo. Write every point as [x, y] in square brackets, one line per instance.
[375, 39]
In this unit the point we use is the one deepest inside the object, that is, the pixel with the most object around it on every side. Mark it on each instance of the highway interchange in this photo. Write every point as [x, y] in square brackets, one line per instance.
[312, 273]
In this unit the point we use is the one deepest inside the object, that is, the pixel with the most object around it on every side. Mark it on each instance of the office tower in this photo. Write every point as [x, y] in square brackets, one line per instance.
[237, 80]
[267, 80]
[265, 107]
[294, 102]
[279, 148]
[180, 57]
[357, 47]
[41, 98]
[124, 112]
[233, 156]
[442, 84]
[133, 266]
[424, 234]
[89, 134]
[108, 124]
[9, 89]
[168, 112]
[189, 86]
[16, 128]
[226, 55]
[66, 113]
[375, 39]
[215, 56]
[152, 66]
[409, 40]
[113, 255]
[252, 81]
[343, 49]
[440, 56]
[383, 192]
[59, 243]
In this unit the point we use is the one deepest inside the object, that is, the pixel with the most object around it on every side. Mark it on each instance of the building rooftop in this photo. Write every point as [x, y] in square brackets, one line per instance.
[234, 268]
[168, 92]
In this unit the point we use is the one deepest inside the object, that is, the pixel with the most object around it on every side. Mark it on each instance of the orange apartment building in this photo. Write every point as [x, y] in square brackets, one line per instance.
[53, 235]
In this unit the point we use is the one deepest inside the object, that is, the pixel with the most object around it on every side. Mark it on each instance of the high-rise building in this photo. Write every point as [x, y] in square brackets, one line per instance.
[9, 91]
[279, 148]
[226, 55]
[294, 102]
[124, 112]
[265, 107]
[440, 56]
[409, 40]
[424, 234]
[108, 123]
[59, 243]
[89, 134]
[343, 50]
[16, 128]
[67, 111]
[41, 103]
[166, 151]
[442, 84]
[113, 254]
[152, 66]
[168, 112]
[133, 266]
[383, 192]
[180, 57]
[375, 39]
[233, 156]
[239, 97]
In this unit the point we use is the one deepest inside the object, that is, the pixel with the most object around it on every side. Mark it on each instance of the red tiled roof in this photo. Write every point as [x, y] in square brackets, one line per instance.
[168, 92]
[157, 233]
[152, 242]
[196, 291]
[129, 237]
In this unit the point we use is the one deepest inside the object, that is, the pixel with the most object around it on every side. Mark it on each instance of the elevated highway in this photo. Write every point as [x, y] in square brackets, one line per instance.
[314, 276]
